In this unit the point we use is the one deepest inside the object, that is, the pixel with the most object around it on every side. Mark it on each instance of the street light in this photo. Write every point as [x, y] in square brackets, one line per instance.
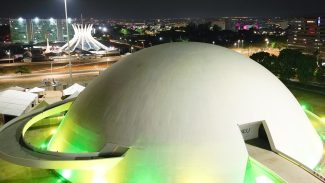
[9, 53]
[267, 42]
[69, 20]
[68, 39]
[20, 20]
[36, 20]
[52, 21]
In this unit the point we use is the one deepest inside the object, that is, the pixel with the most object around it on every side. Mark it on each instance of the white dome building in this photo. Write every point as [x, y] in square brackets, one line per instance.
[176, 110]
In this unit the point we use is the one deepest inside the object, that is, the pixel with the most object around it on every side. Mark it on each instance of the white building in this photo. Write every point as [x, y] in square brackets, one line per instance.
[15, 103]
[83, 40]
[180, 109]
[75, 88]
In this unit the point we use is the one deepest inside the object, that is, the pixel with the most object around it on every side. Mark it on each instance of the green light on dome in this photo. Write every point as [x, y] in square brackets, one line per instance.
[256, 173]
[43, 146]
[304, 107]
[322, 137]
[53, 132]
[99, 180]
[66, 174]
[318, 169]
[322, 119]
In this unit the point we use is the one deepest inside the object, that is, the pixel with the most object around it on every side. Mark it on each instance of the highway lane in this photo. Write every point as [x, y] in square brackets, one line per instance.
[62, 61]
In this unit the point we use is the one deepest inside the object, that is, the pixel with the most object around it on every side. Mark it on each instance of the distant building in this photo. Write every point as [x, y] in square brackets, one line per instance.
[321, 28]
[220, 23]
[307, 34]
[241, 23]
[83, 40]
[4, 21]
[39, 30]
[4, 30]
[283, 24]
[230, 24]
[273, 27]
[14, 103]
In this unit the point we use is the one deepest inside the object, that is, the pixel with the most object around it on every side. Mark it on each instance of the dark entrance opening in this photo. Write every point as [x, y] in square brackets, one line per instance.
[254, 134]
[7, 118]
[261, 141]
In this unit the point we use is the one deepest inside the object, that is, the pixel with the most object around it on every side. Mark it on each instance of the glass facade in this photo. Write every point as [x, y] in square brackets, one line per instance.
[18, 30]
[39, 30]
[62, 30]
[44, 29]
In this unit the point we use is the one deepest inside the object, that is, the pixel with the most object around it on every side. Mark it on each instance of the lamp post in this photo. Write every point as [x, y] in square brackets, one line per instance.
[68, 39]
[267, 43]
[9, 53]
[52, 68]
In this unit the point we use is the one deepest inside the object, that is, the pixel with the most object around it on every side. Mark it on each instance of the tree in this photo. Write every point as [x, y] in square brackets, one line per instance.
[216, 28]
[191, 28]
[124, 32]
[260, 57]
[23, 70]
[287, 61]
[306, 65]
[319, 74]
[269, 61]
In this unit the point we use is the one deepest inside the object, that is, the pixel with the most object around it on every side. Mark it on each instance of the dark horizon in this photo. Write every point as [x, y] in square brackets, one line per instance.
[144, 9]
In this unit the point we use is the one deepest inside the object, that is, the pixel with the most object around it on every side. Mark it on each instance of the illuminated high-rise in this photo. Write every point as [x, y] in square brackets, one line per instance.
[38, 30]
[307, 34]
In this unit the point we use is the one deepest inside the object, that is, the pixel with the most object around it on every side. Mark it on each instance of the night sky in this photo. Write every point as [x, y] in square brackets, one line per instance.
[161, 9]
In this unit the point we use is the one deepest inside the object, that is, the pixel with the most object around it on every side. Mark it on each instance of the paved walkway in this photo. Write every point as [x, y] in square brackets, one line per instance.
[282, 167]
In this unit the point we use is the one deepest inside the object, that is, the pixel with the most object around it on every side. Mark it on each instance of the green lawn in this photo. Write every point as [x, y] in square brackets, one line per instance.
[313, 101]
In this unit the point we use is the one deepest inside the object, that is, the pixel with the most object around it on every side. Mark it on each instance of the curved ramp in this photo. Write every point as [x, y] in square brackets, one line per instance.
[14, 150]
[281, 166]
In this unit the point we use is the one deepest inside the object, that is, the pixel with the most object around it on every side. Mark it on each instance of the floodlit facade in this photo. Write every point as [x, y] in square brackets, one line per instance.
[83, 40]
[179, 105]
[174, 113]
[307, 34]
[19, 31]
[39, 30]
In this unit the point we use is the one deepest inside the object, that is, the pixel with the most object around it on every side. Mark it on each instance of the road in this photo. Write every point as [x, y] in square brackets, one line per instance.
[62, 61]
[81, 77]
[83, 72]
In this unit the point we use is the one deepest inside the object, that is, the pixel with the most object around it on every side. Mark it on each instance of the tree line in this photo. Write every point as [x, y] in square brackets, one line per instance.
[292, 64]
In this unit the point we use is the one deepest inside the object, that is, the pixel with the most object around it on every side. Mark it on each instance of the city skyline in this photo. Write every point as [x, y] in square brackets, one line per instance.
[161, 9]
